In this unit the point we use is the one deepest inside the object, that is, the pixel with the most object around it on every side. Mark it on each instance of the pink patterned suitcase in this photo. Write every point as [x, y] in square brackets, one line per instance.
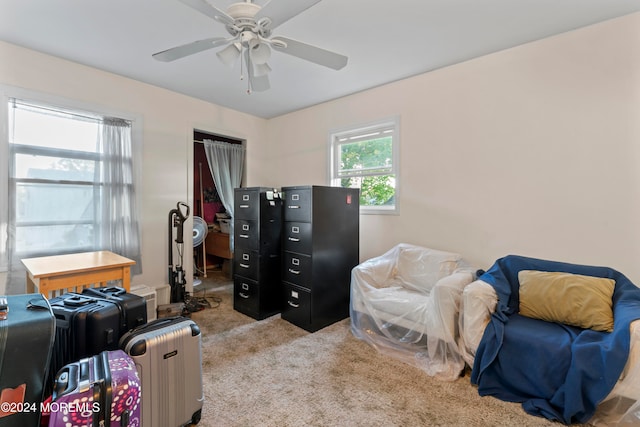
[103, 390]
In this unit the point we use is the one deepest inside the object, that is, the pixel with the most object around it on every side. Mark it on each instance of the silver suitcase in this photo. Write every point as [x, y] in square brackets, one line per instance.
[168, 356]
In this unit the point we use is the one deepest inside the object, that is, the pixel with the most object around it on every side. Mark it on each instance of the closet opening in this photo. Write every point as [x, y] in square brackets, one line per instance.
[214, 251]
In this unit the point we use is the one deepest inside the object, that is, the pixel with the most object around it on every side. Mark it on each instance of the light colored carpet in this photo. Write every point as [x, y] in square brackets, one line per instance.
[272, 373]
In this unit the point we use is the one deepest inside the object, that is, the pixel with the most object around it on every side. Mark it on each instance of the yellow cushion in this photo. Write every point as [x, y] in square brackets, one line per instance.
[572, 299]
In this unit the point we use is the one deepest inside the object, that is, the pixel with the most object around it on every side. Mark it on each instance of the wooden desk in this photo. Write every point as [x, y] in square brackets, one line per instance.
[55, 275]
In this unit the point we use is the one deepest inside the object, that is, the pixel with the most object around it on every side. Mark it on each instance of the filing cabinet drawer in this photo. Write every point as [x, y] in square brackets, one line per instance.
[297, 205]
[246, 234]
[246, 295]
[245, 263]
[297, 237]
[297, 307]
[297, 268]
[246, 203]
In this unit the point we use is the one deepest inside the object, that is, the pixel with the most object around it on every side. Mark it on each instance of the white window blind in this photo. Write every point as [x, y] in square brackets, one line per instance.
[367, 158]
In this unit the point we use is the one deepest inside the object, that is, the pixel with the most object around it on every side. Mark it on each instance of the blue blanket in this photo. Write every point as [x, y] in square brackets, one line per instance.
[556, 371]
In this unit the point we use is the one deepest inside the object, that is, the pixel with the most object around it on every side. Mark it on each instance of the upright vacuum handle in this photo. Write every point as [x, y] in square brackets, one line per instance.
[180, 220]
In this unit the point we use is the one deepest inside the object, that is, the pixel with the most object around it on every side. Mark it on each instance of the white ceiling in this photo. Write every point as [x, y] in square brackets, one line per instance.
[384, 40]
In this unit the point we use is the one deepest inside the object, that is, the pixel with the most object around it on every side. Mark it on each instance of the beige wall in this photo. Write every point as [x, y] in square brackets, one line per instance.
[532, 151]
[168, 122]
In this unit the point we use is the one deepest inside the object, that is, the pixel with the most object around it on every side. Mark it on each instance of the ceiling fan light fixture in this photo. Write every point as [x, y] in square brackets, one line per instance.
[229, 54]
[261, 69]
[260, 52]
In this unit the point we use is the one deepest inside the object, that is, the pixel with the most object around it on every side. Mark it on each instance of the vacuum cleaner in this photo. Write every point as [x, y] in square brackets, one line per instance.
[177, 278]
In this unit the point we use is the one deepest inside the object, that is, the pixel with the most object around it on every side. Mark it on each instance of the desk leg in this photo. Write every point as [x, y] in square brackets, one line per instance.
[126, 278]
[31, 287]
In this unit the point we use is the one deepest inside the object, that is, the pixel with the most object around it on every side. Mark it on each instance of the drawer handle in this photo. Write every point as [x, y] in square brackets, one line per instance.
[245, 296]
[294, 271]
[244, 206]
[293, 304]
[293, 207]
[244, 265]
[294, 239]
[244, 236]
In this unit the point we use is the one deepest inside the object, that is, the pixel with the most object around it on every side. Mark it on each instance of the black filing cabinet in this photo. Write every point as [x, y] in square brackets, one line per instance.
[257, 252]
[320, 242]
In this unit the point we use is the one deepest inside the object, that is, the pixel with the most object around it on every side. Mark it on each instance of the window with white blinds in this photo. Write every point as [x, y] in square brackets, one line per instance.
[366, 158]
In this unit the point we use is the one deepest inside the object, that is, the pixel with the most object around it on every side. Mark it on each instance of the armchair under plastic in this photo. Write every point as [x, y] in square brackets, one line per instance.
[405, 303]
[480, 302]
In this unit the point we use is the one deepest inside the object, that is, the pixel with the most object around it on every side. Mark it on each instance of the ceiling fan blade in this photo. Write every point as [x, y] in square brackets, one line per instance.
[280, 11]
[211, 11]
[189, 49]
[310, 53]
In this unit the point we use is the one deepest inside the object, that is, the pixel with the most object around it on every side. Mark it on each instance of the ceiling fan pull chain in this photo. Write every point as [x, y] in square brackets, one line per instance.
[241, 62]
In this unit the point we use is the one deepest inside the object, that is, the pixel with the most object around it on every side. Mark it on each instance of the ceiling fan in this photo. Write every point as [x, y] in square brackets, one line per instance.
[250, 26]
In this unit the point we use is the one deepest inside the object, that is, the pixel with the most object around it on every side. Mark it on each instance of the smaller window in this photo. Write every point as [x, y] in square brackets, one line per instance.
[367, 158]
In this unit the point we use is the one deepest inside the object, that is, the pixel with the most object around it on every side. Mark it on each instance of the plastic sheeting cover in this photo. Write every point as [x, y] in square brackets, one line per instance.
[406, 303]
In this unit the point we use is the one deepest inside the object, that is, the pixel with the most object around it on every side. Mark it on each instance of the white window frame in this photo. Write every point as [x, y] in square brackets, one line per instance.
[339, 136]
[9, 92]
